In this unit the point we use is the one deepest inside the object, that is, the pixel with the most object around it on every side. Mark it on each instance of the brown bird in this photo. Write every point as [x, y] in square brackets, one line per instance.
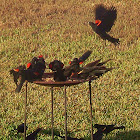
[93, 70]
[104, 20]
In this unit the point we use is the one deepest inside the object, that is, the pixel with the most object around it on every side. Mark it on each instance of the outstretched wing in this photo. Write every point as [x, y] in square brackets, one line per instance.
[100, 10]
[107, 17]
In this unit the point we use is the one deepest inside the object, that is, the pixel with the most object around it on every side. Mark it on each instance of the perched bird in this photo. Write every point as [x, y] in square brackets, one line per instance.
[34, 71]
[20, 128]
[93, 70]
[107, 128]
[33, 135]
[75, 64]
[104, 20]
[57, 67]
[31, 65]
[26, 75]
[15, 73]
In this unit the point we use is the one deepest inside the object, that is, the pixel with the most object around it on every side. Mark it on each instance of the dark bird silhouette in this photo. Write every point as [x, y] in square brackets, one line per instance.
[33, 135]
[104, 20]
[20, 128]
[97, 136]
[57, 67]
[34, 71]
[75, 64]
[107, 128]
[93, 70]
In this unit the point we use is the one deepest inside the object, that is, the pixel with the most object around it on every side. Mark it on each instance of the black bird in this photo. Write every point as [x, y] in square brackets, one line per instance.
[57, 67]
[104, 20]
[31, 65]
[75, 64]
[107, 128]
[33, 135]
[34, 71]
[16, 74]
[20, 128]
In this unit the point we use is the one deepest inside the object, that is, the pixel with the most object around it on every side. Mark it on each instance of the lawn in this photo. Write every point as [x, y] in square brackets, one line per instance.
[59, 30]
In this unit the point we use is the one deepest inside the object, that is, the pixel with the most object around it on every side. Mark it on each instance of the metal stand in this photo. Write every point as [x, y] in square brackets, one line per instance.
[25, 115]
[65, 112]
[52, 112]
[91, 110]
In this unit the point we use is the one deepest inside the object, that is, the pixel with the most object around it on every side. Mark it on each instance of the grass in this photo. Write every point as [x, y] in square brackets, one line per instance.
[59, 30]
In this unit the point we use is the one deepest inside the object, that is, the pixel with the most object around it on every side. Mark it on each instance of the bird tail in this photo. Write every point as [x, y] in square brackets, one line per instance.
[20, 85]
[85, 55]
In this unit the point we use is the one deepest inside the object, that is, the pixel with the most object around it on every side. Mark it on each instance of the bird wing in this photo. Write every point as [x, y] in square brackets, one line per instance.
[107, 17]
[100, 10]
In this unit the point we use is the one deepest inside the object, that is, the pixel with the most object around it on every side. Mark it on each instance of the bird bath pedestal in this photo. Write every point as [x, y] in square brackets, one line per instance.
[47, 80]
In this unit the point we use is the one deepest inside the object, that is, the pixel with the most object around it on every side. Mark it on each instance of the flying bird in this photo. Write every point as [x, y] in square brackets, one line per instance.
[104, 20]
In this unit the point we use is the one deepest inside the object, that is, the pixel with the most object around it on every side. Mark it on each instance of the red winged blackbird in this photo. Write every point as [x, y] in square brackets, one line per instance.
[104, 20]
[32, 64]
[107, 128]
[34, 71]
[20, 128]
[33, 135]
[93, 70]
[15, 73]
[75, 64]
[57, 67]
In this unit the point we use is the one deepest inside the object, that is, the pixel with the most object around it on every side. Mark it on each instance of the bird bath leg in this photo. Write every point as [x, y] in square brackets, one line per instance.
[65, 112]
[25, 117]
[52, 112]
[91, 110]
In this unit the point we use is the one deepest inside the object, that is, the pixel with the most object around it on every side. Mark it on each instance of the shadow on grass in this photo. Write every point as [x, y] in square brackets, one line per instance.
[130, 135]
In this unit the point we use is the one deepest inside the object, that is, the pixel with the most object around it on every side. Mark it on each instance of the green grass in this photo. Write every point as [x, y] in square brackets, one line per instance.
[59, 30]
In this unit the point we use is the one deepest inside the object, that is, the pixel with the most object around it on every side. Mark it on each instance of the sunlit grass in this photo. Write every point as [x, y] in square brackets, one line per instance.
[59, 30]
